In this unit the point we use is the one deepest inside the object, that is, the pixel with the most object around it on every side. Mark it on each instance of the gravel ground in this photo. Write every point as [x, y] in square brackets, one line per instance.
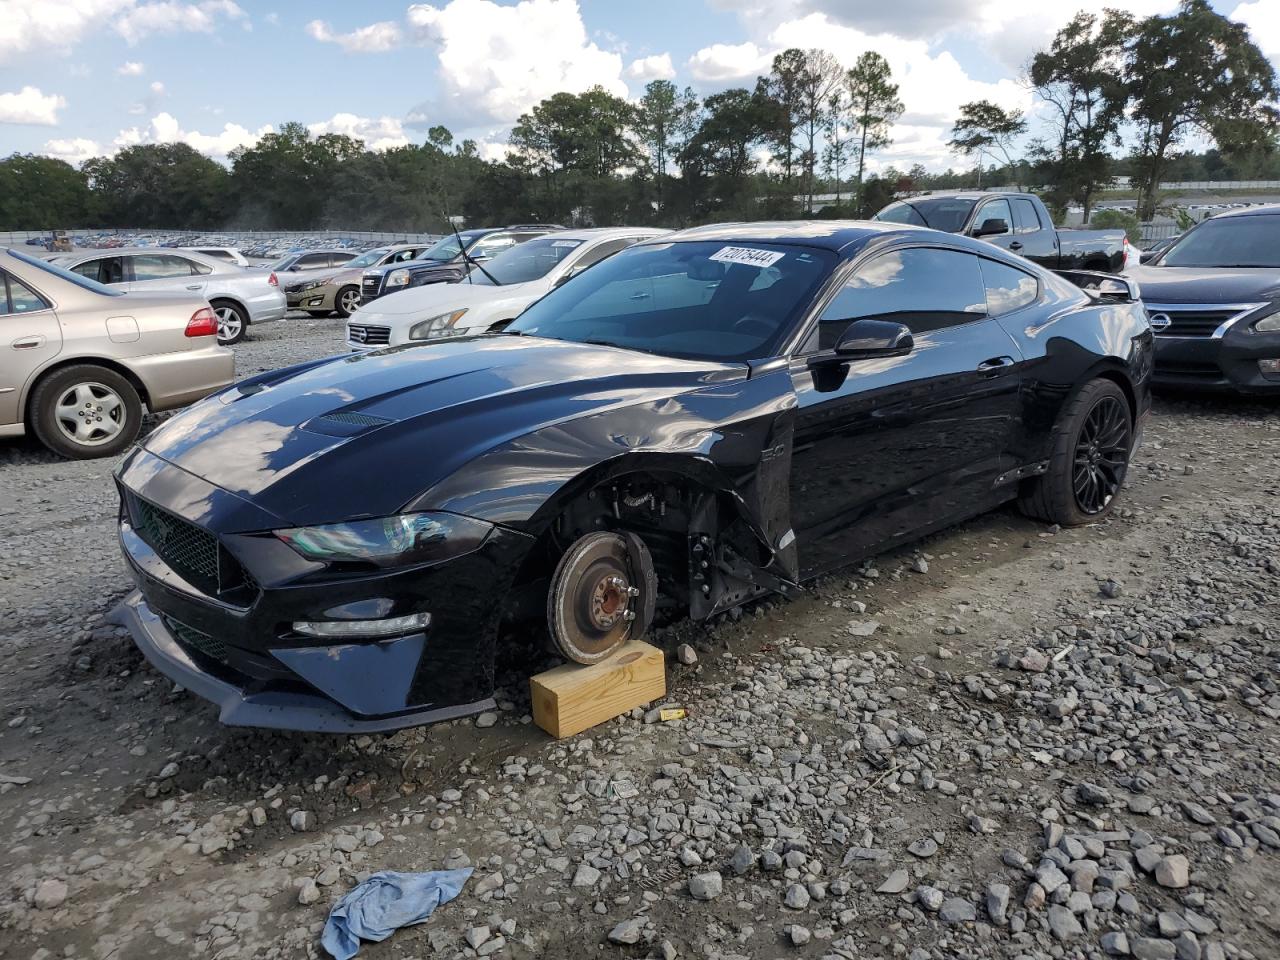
[1008, 742]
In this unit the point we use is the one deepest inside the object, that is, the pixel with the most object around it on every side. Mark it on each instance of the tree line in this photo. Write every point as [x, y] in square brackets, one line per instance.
[808, 127]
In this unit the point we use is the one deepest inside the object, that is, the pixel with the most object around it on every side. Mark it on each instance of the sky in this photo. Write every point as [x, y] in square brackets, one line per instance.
[80, 78]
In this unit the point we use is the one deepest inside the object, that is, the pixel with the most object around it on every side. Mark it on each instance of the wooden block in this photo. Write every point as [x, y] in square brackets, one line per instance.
[572, 698]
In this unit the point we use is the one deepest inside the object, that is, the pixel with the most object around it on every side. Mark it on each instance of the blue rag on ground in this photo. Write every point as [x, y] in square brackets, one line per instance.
[386, 902]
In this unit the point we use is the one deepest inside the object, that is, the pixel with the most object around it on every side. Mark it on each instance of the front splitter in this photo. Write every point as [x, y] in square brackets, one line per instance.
[275, 710]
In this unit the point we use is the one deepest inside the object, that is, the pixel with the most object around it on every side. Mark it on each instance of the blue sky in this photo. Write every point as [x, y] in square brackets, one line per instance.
[85, 77]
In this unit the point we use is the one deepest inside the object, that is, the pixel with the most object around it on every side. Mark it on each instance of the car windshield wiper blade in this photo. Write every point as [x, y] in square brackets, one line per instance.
[595, 341]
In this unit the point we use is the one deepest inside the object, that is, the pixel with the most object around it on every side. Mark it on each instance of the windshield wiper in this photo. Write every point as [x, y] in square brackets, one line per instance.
[619, 346]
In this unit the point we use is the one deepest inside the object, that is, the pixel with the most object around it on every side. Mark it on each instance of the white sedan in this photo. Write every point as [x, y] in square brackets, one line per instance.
[497, 290]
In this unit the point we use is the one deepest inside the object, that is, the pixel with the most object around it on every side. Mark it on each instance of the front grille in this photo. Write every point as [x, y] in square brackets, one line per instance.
[190, 551]
[1195, 320]
[369, 335]
[198, 640]
[1191, 371]
[369, 287]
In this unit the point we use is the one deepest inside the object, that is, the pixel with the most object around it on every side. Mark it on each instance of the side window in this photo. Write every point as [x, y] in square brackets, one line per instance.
[338, 259]
[311, 261]
[104, 269]
[922, 287]
[21, 298]
[401, 256]
[995, 210]
[600, 252]
[159, 266]
[1026, 218]
[1008, 288]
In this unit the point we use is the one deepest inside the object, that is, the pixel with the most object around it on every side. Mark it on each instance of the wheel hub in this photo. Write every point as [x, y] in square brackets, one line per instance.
[610, 599]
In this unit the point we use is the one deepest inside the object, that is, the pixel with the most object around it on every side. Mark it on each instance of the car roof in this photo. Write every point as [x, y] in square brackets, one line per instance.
[835, 235]
[1269, 209]
[143, 251]
[607, 233]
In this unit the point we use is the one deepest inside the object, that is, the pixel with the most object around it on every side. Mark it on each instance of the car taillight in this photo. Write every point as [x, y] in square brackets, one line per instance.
[272, 279]
[203, 323]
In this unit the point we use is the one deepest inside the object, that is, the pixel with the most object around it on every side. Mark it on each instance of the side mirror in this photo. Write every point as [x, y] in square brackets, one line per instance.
[992, 226]
[866, 338]
[295, 268]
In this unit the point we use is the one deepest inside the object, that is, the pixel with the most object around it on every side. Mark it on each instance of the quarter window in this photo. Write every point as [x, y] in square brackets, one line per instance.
[1008, 288]
[159, 266]
[922, 287]
[104, 269]
[20, 298]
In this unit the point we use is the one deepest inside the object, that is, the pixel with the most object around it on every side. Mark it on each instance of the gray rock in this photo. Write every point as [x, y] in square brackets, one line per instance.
[1050, 877]
[924, 848]
[586, 877]
[896, 882]
[1173, 872]
[706, 886]
[1115, 943]
[1063, 923]
[957, 910]
[628, 931]
[486, 719]
[50, 894]
[931, 898]
[799, 935]
[686, 654]
[742, 860]
[476, 936]
[797, 897]
[1150, 948]
[1093, 795]
[302, 821]
[308, 892]
[998, 895]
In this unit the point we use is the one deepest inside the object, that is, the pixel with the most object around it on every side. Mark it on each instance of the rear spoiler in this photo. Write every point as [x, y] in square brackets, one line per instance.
[1104, 286]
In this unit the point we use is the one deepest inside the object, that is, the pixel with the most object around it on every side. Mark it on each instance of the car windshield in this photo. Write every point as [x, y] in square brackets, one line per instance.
[528, 261]
[369, 259]
[941, 213]
[63, 273]
[700, 300]
[1248, 241]
[446, 249]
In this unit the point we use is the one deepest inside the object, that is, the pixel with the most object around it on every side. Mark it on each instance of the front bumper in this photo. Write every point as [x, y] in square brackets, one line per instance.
[317, 298]
[1226, 364]
[233, 642]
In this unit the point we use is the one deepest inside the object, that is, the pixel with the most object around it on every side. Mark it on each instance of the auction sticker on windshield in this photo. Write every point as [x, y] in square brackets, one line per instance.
[747, 255]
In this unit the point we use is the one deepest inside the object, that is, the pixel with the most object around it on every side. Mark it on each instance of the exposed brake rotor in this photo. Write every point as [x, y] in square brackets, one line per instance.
[602, 594]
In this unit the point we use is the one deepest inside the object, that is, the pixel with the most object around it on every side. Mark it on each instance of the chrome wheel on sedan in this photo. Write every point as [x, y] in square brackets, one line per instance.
[347, 301]
[86, 411]
[231, 323]
[90, 414]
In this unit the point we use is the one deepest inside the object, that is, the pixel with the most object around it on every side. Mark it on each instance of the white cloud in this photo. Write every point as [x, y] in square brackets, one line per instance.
[164, 128]
[657, 67]
[75, 150]
[131, 68]
[157, 88]
[378, 133]
[44, 26]
[1262, 17]
[375, 38]
[722, 62]
[497, 62]
[31, 106]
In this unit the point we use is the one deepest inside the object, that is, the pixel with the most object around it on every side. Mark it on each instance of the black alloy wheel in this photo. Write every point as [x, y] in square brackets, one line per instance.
[1102, 455]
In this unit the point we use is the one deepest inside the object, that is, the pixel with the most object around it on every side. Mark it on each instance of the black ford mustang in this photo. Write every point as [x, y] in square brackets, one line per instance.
[698, 420]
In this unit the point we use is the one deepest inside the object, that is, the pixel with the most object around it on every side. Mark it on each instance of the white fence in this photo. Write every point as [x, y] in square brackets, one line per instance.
[19, 238]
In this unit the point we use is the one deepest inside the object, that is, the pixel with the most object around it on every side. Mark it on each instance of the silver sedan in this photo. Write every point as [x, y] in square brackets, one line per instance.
[78, 360]
[238, 296]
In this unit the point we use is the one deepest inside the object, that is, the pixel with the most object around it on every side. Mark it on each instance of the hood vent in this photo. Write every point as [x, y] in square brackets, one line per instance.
[344, 423]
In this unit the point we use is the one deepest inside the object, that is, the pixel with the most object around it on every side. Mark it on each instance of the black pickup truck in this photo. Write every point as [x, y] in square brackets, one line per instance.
[1016, 221]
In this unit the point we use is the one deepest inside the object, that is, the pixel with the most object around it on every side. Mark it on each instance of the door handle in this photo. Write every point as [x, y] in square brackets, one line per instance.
[194, 286]
[995, 363]
[27, 343]
[639, 296]
[1015, 245]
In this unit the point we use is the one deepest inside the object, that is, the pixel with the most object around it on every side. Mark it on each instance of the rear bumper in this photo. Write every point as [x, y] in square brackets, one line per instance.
[279, 709]
[266, 307]
[1228, 364]
[185, 376]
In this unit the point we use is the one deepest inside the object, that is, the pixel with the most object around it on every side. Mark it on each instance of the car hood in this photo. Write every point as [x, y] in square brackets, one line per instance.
[1207, 284]
[364, 434]
[418, 303]
[414, 265]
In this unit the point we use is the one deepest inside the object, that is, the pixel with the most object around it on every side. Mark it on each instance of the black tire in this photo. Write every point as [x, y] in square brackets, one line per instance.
[87, 391]
[233, 322]
[318, 314]
[1092, 443]
[349, 294]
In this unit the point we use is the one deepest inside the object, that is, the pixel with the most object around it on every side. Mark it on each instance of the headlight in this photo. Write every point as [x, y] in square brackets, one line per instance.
[398, 278]
[312, 284]
[1269, 324]
[389, 541]
[436, 327]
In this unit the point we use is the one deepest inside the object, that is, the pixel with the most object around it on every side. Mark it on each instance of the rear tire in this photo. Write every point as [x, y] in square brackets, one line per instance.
[1092, 443]
[346, 301]
[232, 322]
[318, 314]
[86, 411]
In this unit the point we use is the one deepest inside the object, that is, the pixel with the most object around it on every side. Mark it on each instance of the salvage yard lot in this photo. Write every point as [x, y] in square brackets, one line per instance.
[860, 791]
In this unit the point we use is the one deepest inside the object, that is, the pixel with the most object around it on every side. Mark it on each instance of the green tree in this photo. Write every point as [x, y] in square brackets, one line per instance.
[874, 107]
[165, 185]
[587, 132]
[820, 77]
[41, 193]
[780, 95]
[665, 119]
[281, 181]
[1111, 219]
[1081, 77]
[717, 163]
[1195, 70]
[984, 127]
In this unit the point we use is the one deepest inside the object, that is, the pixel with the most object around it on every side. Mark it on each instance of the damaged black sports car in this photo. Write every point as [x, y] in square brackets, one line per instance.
[698, 420]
